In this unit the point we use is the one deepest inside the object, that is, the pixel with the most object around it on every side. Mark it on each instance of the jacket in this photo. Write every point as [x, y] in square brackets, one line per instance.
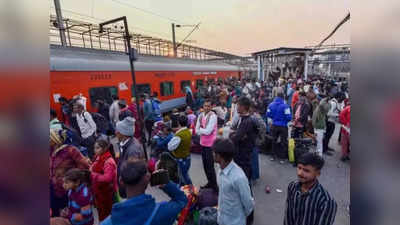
[63, 159]
[138, 209]
[304, 113]
[279, 112]
[319, 115]
[344, 118]
[131, 150]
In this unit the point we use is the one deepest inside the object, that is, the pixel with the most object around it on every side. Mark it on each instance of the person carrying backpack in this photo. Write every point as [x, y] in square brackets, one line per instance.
[151, 111]
[87, 126]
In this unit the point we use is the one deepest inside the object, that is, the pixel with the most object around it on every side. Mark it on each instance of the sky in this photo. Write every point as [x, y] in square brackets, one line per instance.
[234, 26]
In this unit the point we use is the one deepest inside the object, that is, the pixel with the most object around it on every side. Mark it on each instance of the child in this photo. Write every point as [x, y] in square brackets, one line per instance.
[191, 118]
[104, 178]
[162, 139]
[80, 200]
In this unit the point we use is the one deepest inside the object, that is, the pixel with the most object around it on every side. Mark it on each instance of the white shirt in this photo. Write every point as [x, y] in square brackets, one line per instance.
[114, 112]
[212, 122]
[86, 124]
[333, 113]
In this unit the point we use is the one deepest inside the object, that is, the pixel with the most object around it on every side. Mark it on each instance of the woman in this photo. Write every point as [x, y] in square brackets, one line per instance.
[63, 157]
[104, 178]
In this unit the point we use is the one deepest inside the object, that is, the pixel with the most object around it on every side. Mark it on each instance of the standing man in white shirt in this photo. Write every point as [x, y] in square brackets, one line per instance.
[206, 127]
[235, 202]
[87, 127]
[114, 110]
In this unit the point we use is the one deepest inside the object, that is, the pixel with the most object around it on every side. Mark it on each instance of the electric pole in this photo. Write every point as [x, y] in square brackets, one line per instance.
[60, 22]
[173, 40]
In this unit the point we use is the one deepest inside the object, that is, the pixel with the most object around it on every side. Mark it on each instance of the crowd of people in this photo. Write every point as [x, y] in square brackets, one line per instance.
[98, 159]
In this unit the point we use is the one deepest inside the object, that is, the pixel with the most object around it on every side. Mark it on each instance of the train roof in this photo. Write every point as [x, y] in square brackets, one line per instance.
[83, 59]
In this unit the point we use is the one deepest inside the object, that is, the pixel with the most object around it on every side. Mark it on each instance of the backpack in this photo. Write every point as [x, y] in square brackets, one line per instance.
[208, 216]
[208, 197]
[101, 122]
[72, 136]
[156, 110]
[261, 130]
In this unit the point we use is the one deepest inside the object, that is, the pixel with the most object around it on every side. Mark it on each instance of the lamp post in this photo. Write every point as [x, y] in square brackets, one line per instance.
[132, 57]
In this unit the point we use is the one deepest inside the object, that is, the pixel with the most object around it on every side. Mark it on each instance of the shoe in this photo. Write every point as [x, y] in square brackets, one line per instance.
[343, 159]
[331, 149]
[282, 162]
[328, 153]
[272, 159]
[347, 158]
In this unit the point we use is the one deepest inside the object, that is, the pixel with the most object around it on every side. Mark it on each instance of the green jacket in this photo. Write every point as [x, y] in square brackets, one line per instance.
[319, 115]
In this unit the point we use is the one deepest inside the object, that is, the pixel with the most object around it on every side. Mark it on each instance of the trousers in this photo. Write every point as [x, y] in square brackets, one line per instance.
[280, 150]
[208, 164]
[319, 133]
[330, 128]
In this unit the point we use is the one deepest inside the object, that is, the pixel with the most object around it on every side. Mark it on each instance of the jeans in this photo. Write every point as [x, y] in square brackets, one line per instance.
[208, 164]
[149, 127]
[255, 166]
[184, 166]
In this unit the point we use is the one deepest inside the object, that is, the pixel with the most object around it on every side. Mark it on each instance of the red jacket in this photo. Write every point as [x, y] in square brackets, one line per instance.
[344, 116]
[295, 98]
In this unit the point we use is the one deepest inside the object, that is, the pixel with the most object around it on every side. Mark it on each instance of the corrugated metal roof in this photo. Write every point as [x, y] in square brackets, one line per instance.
[81, 59]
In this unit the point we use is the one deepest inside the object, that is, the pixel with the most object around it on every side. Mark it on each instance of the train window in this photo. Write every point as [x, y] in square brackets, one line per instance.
[167, 88]
[141, 89]
[199, 83]
[103, 93]
[184, 83]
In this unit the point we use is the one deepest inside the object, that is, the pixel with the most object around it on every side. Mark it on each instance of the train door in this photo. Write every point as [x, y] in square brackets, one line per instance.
[102, 93]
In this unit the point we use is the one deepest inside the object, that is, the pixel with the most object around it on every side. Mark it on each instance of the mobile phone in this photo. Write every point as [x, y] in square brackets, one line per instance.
[159, 177]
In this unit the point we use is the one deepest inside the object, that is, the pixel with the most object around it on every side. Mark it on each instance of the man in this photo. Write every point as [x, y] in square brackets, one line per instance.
[114, 110]
[244, 136]
[235, 202]
[54, 122]
[141, 208]
[331, 120]
[103, 108]
[129, 147]
[319, 123]
[206, 128]
[87, 128]
[280, 114]
[179, 146]
[308, 203]
[301, 112]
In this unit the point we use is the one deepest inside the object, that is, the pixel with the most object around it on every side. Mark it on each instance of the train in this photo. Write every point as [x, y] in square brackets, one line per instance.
[100, 74]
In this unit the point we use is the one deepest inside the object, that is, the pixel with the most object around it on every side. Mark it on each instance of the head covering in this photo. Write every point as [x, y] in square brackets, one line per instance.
[126, 126]
[56, 136]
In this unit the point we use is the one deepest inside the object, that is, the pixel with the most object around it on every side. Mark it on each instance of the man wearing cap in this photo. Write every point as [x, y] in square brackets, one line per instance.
[129, 147]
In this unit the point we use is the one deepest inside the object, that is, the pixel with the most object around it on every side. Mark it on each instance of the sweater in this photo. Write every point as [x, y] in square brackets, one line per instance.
[319, 115]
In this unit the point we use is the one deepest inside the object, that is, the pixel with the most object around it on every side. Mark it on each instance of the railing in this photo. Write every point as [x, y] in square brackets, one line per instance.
[86, 35]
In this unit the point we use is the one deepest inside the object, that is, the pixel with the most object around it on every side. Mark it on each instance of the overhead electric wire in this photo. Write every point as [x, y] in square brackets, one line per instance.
[101, 20]
[334, 30]
[147, 11]
[196, 27]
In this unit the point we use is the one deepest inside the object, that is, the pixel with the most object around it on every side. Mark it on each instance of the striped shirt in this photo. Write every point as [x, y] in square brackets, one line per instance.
[314, 207]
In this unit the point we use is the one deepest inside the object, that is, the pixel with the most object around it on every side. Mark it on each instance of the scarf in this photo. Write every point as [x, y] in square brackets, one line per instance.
[99, 165]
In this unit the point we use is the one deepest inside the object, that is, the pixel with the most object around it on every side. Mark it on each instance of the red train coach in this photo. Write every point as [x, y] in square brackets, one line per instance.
[99, 74]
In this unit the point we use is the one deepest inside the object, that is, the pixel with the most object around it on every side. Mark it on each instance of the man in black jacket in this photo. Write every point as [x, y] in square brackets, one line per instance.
[244, 136]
